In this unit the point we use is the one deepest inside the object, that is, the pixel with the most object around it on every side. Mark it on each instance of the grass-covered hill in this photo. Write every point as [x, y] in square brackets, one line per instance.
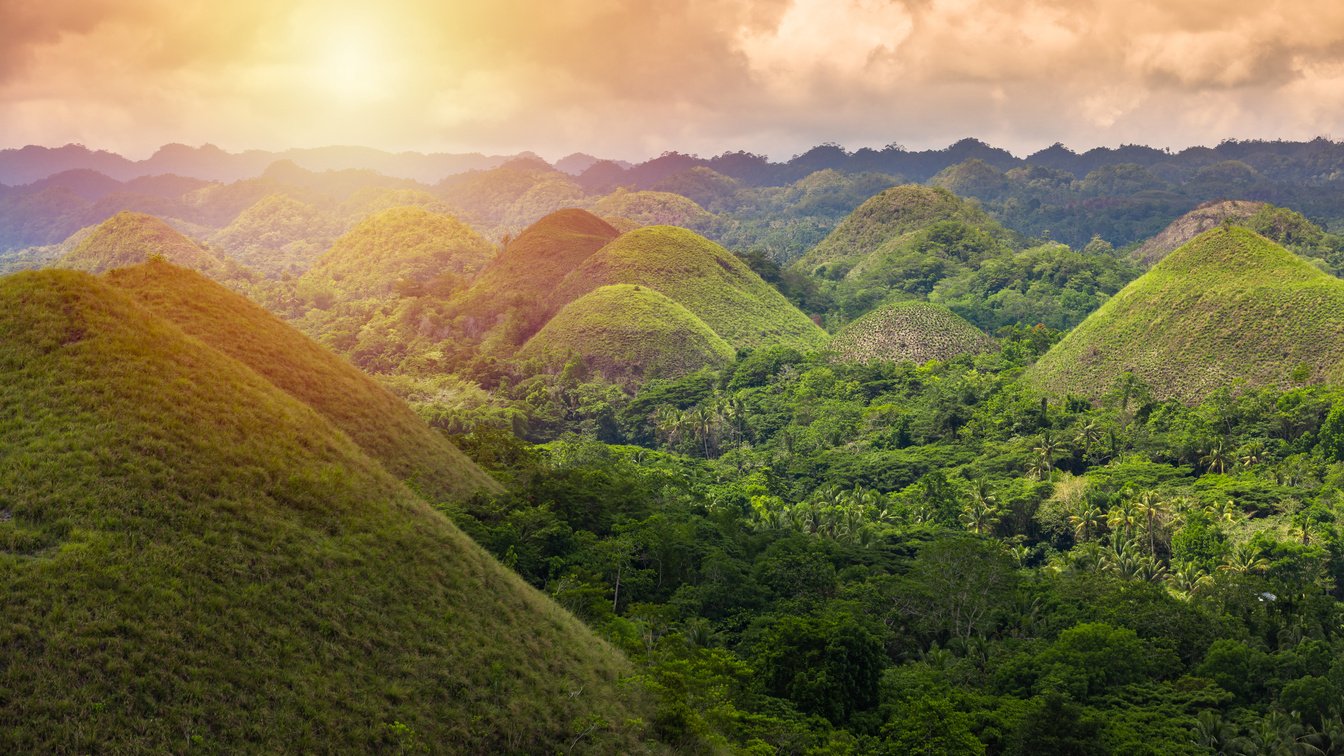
[401, 247]
[915, 331]
[505, 304]
[649, 208]
[194, 560]
[1194, 223]
[701, 276]
[886, 225]
[1228, 305]
[131, 238]
[629, 331]
[385, 428]
[279, 234]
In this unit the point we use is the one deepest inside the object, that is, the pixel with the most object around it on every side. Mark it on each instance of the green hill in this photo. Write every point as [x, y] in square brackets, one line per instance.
[278, 234]
[649, 208]
[195, 561]
[404, 246]
[131, 238]
[1228, 305]
[384, 427]
[1194, 223]
[628, 331]
[701, 276]
[914, 331]
[887, 226]
[505, 304]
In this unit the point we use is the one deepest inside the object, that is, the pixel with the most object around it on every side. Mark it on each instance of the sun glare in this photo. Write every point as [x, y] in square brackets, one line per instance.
[351, 63]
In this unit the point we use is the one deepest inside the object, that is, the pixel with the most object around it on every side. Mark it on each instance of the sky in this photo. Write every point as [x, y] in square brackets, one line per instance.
[633, 78]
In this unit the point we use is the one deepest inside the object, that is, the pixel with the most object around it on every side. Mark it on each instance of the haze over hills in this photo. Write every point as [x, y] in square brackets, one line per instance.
[192, 555]
[1228, 306]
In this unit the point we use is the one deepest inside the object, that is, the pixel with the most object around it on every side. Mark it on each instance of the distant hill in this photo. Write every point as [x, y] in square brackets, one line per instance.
[881, 236]
[131, 238]
[653, 209]
[405, 246]
[629, 331]
[507, 300]
[701, 276]
[1183, 229]
[914, 331]
[385, 428]
[1228, 305]
[278, 234]
[194, 559]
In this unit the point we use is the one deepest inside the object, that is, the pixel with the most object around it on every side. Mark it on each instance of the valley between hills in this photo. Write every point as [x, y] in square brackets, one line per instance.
[879, 452]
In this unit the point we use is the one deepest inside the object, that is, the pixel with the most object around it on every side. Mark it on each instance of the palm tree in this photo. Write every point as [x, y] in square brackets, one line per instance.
[1151, 511]
[1227, 511]
[1088, 435]
[1046, 452]
[1187, 579]
[1244, 559]
[1252, 454]
[1122, 519]
[1216, 458]
[1086, 520]
[1216, 734]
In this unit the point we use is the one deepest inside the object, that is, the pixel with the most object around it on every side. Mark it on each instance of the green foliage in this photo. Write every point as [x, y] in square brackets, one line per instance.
[131, 238]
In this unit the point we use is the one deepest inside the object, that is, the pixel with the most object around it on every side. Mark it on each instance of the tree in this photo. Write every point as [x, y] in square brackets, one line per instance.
[827, 665]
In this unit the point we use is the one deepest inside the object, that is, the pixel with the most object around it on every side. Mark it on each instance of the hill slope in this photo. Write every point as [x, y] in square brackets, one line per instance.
[505, 300]
[193, 560]
[130, 238]
[400, 246]
[886, 219]
[701, 276]
[384, 427]
[1192, 224]
[1228, 305]
[914, 331]
[628, 331]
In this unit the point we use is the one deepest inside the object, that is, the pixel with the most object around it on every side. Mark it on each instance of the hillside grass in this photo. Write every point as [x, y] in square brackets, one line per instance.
[1229, 305]
[505, 304]
[195, 561]
[384, 427]
[627, 331]
[701, 276]
[399, 247]
[131, 238]
[884, 219]
[914, 331]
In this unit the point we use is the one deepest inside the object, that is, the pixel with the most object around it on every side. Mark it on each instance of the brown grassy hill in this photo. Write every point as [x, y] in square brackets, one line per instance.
[195, 561]
[384, 427]
[131, 238]
[915, 331]
[1183, 229]
[505, 304]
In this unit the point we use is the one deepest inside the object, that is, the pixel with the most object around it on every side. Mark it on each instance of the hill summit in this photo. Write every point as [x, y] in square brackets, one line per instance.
[915, 331]
[701, 276]
[1228, 305]
[193, 559]
[131, 238]
[625, 330]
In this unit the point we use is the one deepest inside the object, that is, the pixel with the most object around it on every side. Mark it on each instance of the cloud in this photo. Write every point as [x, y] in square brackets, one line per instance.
[629, 77]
